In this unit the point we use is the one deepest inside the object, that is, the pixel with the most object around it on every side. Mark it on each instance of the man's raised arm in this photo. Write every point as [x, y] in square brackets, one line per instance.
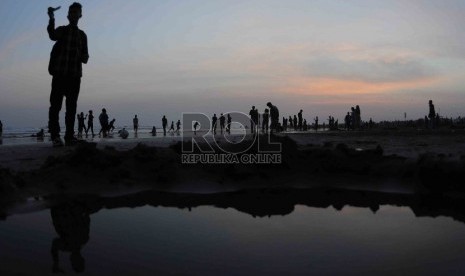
[53, 33]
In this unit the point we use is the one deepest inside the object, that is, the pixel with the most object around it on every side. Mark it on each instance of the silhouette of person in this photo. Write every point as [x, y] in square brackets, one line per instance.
[228, 127]
[296, 126]
[171, 130]
[196, 124]
[164, 123]
[135, 122]
[291, 124]
[103, 118]
[352, 118]
[304, 126]
[222, 122]
[72, 224]
[300, 119]
[178, 126]
[316, 123]
[347, 120]
[266, 120]
[66, 58]
[90, 123]
[274, 115]
[123, 133]
[214, 120]
[431, 115]
[81, 123]
[358, 117]
[154, 131]
[111, 125]
[253, 119]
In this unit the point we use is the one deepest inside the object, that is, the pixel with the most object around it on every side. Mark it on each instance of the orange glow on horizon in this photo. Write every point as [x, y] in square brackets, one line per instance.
[333, 86]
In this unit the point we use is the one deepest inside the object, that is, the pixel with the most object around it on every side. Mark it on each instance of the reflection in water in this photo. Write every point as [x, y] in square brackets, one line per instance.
[216, 241]
[72, 223]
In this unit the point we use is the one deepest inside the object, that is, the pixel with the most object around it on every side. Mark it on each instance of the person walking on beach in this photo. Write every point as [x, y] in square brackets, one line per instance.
[214, 120]
[103, 118]
[178, 126]
[253, 119]
[164, 123]
[135, 122]
[274, 115]
[66, 59]
[171, 130]
[300, 120]
[111, 125]
[228, 126]
[90, 123]
[296, 126]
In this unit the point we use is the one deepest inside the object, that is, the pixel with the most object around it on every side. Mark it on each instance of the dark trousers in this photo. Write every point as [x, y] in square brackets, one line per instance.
[68, 87]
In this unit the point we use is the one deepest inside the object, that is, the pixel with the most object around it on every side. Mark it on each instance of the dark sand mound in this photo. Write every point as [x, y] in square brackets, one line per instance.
[87, 169]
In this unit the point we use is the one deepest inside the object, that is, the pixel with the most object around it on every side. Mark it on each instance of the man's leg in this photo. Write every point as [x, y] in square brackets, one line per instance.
[72, 95]
[56, 101]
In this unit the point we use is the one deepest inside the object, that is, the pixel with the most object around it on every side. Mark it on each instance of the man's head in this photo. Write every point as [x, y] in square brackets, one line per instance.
[268, 104]
[74, 13]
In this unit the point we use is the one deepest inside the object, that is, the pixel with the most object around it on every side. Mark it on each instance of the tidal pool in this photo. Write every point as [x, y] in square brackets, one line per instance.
[208, 240]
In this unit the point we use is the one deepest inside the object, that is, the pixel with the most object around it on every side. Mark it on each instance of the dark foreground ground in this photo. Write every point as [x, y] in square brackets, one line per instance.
[420, 169]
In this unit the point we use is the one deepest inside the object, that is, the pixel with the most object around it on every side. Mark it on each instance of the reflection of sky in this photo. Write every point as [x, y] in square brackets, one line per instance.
[216, 241]
[166, 57]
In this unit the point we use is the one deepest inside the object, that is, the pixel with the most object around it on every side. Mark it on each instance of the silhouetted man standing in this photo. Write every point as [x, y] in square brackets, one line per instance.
[222, 122]
[253, 119]
[274, 115]
[300, 119]
[68, 54]
[135, 122]
[432, 114]
[214, 120]
[164, 122]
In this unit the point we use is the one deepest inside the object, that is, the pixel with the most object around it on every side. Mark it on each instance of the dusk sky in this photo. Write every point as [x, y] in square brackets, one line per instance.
[151, 57]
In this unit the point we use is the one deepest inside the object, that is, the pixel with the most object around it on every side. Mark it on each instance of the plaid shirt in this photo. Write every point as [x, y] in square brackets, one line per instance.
[69, 51]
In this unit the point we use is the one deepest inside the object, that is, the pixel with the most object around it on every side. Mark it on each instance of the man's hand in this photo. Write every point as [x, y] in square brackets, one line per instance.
[51, 10]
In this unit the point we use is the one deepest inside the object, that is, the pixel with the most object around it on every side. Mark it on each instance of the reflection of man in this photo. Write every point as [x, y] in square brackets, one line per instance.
[72, 223]
[68, 54]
